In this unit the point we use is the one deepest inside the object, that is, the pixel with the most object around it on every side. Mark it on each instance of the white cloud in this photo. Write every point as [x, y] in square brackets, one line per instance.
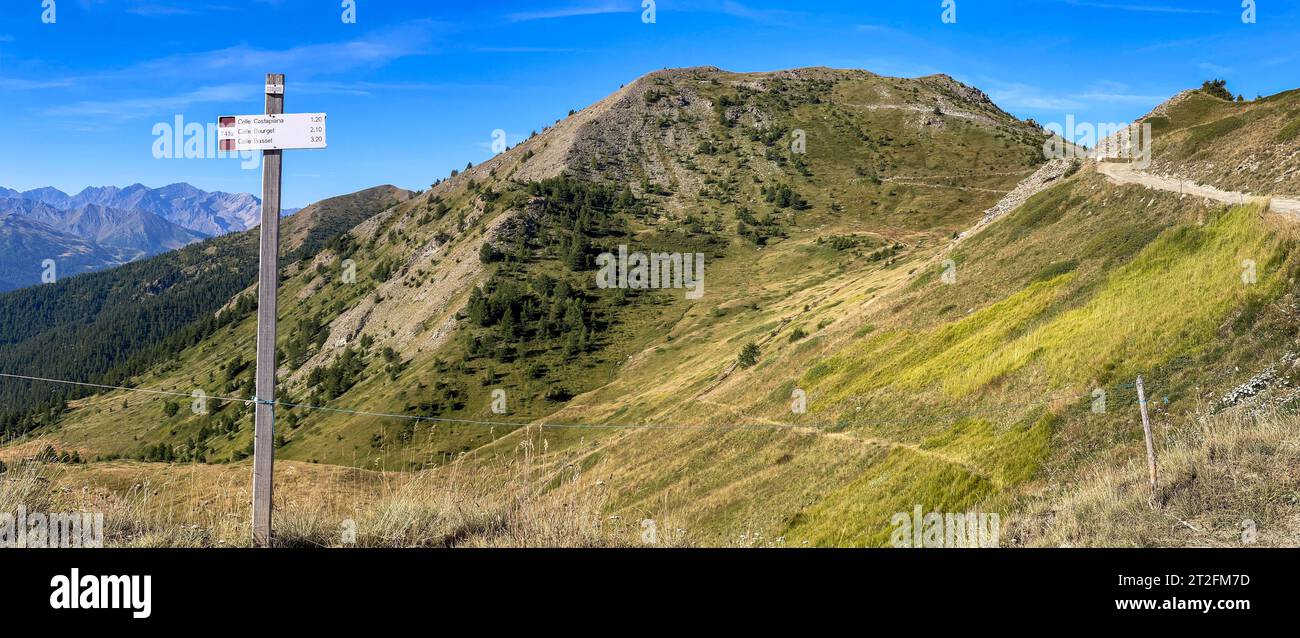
[1026, 97]
[1141, 8]
[157, 106]
[1121, 98]
[529, 50]
[1014, 95]
[733, 8]
[231, 74]
[155, 10]
[573, 11]
[1112, 92]
[1210, 67]
[370, 88]
[19, 84]
[243, 61]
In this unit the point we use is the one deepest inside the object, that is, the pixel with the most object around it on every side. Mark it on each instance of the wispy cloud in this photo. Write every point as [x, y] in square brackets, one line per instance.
[1141, 8]
[1111, 92]
[230, 75]
[733, 8]
[19, 84]
[573, 11]
[155, 10]
[312, 60]
[1121, 98]
[1174, 44]
[1015, 95]
[1027, 97]
[372, 88]
[529, 50]
[1281, 59]
[156, 106]
[1210, 67]
[242, 63]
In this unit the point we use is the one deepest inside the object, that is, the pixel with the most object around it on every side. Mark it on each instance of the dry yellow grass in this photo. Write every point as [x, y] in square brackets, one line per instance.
[1222, 479]
[518, 503]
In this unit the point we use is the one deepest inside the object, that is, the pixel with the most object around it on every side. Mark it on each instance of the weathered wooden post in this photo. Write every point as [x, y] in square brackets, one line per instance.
[270, 132]
[1151, 446]
[267, 288]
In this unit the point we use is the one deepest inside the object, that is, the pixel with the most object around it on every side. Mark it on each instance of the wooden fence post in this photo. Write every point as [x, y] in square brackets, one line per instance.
[1151, 446]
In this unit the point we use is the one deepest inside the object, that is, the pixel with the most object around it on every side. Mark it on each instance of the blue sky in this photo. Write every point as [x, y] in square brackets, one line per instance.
[416, 88]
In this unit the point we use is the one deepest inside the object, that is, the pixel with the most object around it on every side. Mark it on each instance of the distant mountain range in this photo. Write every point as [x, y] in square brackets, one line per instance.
[135, 233]
[101, 227]
[211, 214]
[25, 245]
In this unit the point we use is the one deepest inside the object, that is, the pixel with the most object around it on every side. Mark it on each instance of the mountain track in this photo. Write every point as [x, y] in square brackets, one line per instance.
[1129, 174]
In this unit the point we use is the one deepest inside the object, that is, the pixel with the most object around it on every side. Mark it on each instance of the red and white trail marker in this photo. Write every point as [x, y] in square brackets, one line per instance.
[271, 132]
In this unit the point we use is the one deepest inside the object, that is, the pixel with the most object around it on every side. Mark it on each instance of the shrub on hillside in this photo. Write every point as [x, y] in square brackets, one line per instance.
[1217, 88]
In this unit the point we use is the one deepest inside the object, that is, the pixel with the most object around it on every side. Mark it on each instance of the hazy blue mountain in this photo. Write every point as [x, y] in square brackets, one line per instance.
[26, 245]
[106, 226]
[33, 210]
[48, 195]
[131, 230]
[209, 213]
[132, 233]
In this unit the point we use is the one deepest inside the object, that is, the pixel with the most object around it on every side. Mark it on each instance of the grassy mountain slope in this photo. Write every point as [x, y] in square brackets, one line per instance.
[704, 141]
[951, 374]
[106, 326]
[1249, 146]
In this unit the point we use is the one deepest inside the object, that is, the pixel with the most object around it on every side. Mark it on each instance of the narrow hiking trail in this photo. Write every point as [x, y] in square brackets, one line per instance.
[969, 189]
[857, 439]
[1129, 174]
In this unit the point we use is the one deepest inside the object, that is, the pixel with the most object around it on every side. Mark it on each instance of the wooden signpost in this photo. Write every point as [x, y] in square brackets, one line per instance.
[271, 132]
